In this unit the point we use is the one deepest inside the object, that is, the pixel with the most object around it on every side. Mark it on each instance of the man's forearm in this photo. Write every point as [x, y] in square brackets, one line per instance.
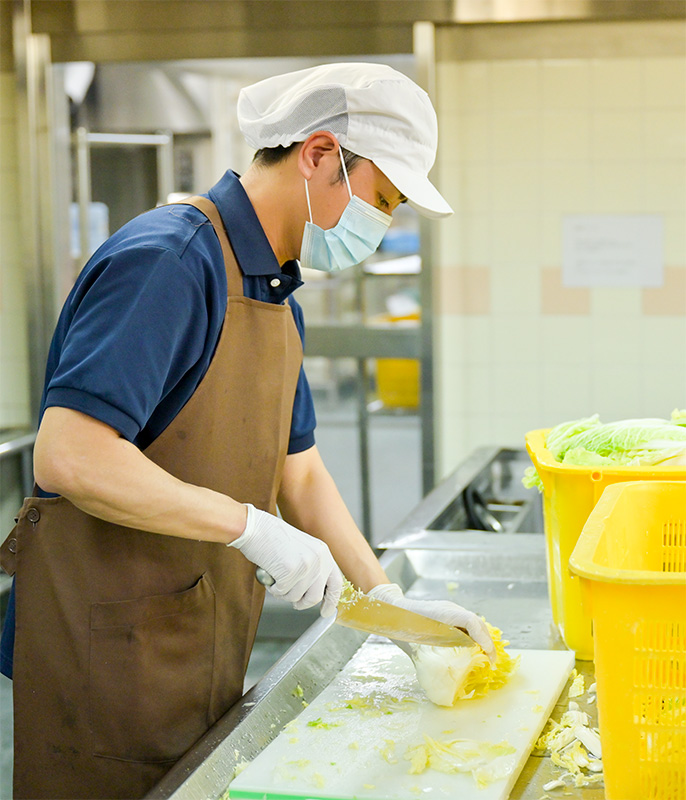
[310, 500]
[106, 476]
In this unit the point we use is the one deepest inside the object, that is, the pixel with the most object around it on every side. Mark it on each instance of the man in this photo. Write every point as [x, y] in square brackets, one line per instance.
[175, 418]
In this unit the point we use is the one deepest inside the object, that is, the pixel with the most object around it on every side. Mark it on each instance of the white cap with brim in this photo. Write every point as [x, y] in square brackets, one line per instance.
[372, 109]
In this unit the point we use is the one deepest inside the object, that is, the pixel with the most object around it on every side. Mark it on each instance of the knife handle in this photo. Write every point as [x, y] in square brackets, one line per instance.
[264, 577]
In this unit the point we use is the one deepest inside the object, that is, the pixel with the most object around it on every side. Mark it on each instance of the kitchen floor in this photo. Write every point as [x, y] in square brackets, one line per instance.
[395, 470]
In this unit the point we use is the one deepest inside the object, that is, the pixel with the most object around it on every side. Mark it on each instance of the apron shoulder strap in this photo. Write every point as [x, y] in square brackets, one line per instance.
[234, 276]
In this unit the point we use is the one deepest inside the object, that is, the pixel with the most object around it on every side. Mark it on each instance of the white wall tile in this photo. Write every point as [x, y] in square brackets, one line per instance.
[566, 135]
[475, 188]
[616, 391]
[662, 343]
[517, 389]
[477, 388]
[478, 341]
[517, 338]
[664, 82]
[516, 135]
[551, 239]
[664, 186]
[515, 186]
[516, 238]
[566, 341]
[510, 429]
[617, 187]
[624, 302]
[675, 238]
[565, 393]
[475, 136]
[474, 86]
[566, 186]
[516, 85]
[476, 239]
[616, 83]
[515, 291]
[566, 84]
[616, 135]
[616, 341]
[664, 134]
[447, 83]
[663, 389]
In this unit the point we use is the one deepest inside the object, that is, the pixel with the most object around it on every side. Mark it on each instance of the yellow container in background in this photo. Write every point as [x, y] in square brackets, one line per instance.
[398, 379]
[631, 560]
[569, 495]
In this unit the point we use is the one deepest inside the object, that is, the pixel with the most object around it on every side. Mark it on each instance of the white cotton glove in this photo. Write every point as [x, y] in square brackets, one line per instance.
[302, 566]
[441, 610]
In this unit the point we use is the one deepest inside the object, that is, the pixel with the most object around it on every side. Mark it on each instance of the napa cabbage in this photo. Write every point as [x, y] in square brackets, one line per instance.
[449, 674]
[628, 442]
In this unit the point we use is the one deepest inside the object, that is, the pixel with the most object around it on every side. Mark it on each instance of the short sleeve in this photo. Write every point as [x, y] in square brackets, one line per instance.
[127, 337]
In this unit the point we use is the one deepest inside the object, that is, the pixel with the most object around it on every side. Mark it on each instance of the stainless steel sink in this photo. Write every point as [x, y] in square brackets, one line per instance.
[484, 493]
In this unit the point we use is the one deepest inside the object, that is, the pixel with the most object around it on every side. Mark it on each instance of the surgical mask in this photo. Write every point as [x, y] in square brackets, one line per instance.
[357, 235]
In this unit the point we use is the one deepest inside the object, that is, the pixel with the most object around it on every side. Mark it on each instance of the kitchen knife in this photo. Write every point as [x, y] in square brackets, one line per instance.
[367, 614]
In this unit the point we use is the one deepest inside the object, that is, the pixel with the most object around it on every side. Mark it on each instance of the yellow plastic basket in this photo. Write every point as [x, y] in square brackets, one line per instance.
[631, 559]
[569, 495]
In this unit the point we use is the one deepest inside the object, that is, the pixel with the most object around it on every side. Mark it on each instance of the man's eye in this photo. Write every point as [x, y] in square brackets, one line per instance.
[383, 202]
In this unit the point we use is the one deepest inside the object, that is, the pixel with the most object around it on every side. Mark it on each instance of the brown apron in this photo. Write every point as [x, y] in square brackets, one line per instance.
[130, 645]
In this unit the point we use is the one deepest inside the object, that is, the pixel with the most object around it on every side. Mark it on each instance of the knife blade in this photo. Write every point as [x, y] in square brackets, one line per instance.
[367, 614]
[385, 619]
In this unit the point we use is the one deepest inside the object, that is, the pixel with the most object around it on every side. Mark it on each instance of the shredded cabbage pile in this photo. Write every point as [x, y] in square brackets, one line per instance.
[487, 762]
[629, 442]
[449, 674]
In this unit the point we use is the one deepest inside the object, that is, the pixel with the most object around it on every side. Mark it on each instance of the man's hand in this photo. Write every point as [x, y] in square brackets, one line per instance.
[302, 566]
[441, 610]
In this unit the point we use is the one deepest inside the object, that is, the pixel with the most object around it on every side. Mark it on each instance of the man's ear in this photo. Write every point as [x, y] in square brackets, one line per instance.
[314, 148]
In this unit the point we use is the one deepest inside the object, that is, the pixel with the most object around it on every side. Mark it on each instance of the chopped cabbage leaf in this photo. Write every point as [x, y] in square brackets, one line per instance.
[574, 746]
[486, 761]
[578, 686]
[449, 674]
[532, 480]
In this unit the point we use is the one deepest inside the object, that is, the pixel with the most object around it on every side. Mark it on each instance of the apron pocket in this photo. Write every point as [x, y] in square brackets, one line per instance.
[151, 665]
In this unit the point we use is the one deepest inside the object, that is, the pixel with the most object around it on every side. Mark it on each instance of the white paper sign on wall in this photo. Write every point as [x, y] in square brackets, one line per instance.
[612, 250]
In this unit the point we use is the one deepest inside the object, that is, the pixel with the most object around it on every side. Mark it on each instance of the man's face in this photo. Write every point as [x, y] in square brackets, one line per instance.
[329, 197]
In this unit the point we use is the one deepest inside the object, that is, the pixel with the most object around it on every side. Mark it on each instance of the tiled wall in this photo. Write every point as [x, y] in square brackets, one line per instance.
[14, 362]
[525, 141]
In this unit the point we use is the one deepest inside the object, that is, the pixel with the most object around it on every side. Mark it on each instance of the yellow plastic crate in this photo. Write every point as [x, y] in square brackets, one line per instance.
[631, 559]
[570, 493]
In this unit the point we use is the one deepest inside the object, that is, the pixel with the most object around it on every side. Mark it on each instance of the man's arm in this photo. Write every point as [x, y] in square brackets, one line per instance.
[101, 473]
[310, 500]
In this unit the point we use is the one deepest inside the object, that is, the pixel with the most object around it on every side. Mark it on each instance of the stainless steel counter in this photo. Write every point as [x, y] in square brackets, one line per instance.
[502, 576]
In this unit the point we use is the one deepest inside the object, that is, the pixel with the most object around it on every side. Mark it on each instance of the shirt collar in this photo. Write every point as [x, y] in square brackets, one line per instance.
[248, 239]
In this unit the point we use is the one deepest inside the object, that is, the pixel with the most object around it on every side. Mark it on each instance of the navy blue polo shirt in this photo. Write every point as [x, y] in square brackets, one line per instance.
[141, 324]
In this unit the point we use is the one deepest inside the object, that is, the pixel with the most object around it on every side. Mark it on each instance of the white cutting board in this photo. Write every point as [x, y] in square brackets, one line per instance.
[350, 760]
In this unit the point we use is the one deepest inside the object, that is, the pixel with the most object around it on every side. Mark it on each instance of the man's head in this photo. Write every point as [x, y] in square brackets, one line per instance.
[270, 156]
[371, 110]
